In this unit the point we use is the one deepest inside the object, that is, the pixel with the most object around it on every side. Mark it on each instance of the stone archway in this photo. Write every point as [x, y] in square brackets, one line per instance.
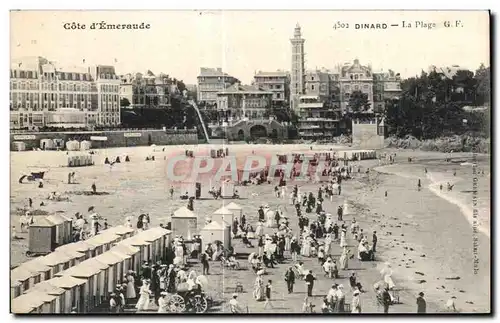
[258, 131]
[241, 135]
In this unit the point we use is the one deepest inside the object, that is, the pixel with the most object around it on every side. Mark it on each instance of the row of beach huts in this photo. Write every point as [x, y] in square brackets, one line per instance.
[81, 275]
[55, 144]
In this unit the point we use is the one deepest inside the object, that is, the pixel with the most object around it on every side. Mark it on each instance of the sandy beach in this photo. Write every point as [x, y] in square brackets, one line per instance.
[427, 231]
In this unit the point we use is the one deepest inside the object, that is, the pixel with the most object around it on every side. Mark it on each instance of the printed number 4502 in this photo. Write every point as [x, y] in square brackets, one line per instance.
[340, 25]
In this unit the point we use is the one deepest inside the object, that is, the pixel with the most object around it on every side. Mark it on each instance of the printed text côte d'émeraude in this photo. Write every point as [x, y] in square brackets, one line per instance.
[105, 26]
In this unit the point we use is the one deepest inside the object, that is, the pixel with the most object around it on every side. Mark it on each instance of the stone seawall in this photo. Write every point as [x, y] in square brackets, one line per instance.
[116, 138]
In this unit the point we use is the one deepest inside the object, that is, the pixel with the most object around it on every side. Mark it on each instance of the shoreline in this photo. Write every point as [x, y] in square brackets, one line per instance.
[436, 286]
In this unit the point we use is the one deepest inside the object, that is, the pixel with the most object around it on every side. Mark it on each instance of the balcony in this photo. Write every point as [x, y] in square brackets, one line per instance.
[318, 120]
[311, 105]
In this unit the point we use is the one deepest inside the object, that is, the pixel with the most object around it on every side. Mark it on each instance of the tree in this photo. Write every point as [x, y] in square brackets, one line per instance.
[124, 102]
[358, 102]
[483, 85]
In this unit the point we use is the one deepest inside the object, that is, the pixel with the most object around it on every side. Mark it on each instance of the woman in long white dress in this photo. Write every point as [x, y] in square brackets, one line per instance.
[328, 243]
[144, 292]
[344, 258]
[163, 303]
[270, 221]
[306, 247]
[131, 286]
[259, 230]
[356, 302]
[258, 292]
[386, 273]
[343, 239]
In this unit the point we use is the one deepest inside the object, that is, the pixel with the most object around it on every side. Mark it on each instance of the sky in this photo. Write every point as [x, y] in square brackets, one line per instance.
[243, 42]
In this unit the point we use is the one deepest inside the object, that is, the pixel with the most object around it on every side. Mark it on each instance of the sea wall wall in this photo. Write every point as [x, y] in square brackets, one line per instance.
[114, 138]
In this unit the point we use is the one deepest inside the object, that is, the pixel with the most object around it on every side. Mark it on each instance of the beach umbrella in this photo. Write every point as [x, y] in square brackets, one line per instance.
[91, 208]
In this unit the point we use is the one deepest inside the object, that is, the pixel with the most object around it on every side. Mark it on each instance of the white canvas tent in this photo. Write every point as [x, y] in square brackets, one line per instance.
[236, 209]
[184, 223]
[223, 215]
[216, 231]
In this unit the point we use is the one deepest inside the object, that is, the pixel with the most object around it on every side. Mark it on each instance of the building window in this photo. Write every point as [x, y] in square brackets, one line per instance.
[312, 87]
[356, 87]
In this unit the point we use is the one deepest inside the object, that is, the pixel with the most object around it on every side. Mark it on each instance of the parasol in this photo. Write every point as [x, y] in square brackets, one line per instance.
[203, 281]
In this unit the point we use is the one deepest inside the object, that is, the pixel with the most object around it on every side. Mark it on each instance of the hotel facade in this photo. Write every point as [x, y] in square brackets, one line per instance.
[42, 94]
[325, 95]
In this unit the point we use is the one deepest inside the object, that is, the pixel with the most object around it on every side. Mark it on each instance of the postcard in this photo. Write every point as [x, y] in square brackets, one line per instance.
[250, 162]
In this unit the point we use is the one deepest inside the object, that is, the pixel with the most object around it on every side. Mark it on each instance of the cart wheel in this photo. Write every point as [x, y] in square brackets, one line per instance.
[176, 304]
[200, 304]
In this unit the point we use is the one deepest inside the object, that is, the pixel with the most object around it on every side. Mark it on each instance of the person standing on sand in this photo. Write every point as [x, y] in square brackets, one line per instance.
[340, 212]
[421, 304]
[94, 188]
[355, 302]
[419, 185]
[386, 300]
[30, 202]
[290, 279]
[374, 241]
[310, 282]
[269, 288]
[171, 192]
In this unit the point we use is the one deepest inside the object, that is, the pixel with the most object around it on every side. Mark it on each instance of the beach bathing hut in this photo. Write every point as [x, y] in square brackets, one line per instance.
[34, 303]
[60, 228]
[18, 146]
[236, 209]
[35, 265]
[22, 276]
[215, 231]
[103, 279]
[75, 288]
[15, 289]
[76, 256]
[227, 189]
[85, 145]
[103, 241]
[42, 236]
[58, 143]
[72, 145]
[184, 223]
[80, 246]
[159, 241]
[223, 215]
[130, 251]
[92, 273]
[145, 248]
[58, 261]
[47, 144]
[60, 294]
[122, 231]
[115, 270]
[67, 228]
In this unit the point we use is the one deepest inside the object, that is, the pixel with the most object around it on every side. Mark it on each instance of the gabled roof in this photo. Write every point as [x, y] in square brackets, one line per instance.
[125, 249]
[109, 258]
[120, 230]
[42, 222]
[48, 288]
[55, 258]
[234, 206]
[66, 282]
[223, 211]
[214, 225]
[184, 212]
[20, 274]
[55, 219]
[25, 303]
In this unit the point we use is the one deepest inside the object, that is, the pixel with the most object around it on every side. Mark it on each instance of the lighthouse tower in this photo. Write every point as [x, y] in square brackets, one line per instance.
[297, 78]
